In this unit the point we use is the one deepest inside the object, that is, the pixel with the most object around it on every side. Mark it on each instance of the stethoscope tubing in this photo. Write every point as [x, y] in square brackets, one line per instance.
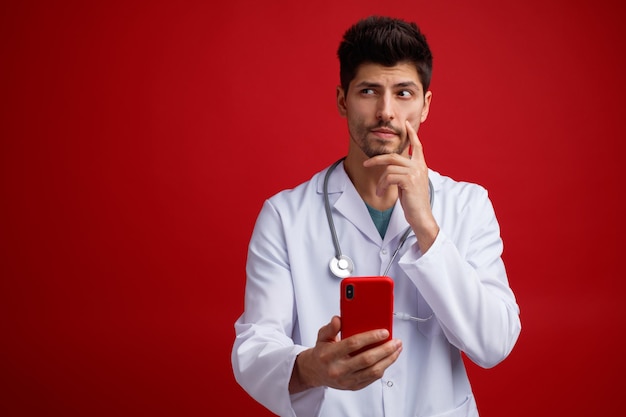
[339, 256]
[329, 216]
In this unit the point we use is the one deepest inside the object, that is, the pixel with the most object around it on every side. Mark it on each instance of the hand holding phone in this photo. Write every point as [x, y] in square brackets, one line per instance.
[366, 304]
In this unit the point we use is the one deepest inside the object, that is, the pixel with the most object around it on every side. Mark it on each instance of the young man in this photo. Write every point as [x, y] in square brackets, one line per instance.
[451, 289]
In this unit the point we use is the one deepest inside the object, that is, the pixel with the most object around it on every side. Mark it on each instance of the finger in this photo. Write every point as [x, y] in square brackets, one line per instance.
[385, 356]
[385, 160]
[359, 341]
[416, 145]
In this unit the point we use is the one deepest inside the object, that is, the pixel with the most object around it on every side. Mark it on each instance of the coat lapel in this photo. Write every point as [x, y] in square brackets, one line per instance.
[345, 201]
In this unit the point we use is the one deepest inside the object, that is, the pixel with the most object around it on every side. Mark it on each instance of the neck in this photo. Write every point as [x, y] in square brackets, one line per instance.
[366, 180]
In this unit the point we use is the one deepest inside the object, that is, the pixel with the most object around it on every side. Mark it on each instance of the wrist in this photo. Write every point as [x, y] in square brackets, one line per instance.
[426, 236]
[298, 381]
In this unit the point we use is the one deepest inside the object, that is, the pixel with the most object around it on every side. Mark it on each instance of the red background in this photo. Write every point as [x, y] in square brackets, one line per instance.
[139, 140]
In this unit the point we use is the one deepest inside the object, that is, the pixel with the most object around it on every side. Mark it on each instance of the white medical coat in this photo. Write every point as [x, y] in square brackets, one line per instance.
[291, 293]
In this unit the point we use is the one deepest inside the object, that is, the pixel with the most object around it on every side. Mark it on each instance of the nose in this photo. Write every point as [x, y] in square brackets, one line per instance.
[385, 110]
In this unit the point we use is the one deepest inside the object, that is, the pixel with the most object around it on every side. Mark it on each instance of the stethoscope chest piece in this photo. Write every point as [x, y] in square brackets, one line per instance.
[341, 267]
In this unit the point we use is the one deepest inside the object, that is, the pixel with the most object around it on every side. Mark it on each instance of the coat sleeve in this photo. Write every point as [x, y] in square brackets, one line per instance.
[264, 351]
[468, 289]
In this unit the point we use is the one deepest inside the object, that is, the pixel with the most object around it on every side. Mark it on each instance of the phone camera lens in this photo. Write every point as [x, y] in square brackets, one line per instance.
[349, 291]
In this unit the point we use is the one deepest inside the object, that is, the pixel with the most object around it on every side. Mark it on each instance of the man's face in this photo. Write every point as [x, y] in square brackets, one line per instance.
[378, 103]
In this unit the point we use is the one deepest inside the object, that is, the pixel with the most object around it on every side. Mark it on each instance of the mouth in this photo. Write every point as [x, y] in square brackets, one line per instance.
[384, 133]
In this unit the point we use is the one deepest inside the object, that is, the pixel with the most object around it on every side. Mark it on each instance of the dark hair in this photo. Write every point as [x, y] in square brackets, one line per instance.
[386, 41]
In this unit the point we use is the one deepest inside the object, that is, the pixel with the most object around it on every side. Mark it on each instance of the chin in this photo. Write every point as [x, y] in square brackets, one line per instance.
[370, 153]
[375, 148]
[375, 152]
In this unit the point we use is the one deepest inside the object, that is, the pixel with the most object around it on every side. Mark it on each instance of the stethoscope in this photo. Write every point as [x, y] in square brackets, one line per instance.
[341, 265]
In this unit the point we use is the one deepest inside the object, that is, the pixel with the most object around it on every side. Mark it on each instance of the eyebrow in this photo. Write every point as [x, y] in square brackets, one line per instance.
[374, 84]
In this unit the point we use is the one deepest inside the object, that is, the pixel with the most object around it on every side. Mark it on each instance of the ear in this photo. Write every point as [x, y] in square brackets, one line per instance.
[341, 101]
[427, 98]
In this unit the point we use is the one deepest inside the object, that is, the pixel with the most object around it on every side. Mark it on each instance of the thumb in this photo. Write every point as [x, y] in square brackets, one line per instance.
[329, 332]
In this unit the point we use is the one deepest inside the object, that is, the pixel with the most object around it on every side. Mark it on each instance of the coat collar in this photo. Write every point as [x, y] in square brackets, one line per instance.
[345, 201]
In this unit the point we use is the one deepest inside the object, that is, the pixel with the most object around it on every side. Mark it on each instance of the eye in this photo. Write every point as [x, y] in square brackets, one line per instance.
[405, 93]
[367, 91]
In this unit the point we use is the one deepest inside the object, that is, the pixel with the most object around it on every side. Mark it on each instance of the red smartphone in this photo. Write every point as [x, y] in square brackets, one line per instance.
[366, 304]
